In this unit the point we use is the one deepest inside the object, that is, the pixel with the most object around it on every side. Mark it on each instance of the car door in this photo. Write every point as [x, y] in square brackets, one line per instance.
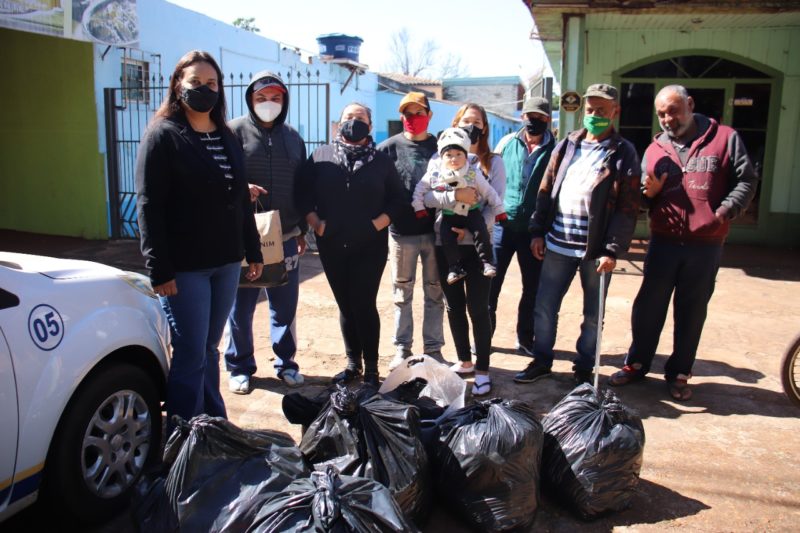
[9, 417]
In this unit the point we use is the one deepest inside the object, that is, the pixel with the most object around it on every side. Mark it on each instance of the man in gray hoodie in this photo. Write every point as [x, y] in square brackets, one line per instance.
[273, 152]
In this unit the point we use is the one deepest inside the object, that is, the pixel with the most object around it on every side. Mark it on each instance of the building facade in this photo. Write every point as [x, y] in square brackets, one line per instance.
[740, 62]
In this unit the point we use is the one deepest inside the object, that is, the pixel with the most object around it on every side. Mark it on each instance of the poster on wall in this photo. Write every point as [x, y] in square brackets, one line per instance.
[111, 22]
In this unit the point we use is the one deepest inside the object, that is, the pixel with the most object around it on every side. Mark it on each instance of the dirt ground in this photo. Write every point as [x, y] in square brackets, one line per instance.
[728, 460]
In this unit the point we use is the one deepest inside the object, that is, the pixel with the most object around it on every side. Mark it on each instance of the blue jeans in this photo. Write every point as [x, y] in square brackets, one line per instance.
[508, 242]
[197, 316]
[691, 271]
[239, 351]
[557, 273]
[404, 250]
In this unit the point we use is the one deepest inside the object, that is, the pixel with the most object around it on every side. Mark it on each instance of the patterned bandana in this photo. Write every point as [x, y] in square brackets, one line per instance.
[352, 157]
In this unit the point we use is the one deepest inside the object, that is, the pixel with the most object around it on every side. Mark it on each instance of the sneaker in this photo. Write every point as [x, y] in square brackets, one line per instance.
[581, 376]
[489, 270]
[525, 350]
[532, 373]
[456, 274]
[462, 370]
[398, 360]
[346, 376]
[291, 377]
[372, 378]
[239, 384]
[435, 354]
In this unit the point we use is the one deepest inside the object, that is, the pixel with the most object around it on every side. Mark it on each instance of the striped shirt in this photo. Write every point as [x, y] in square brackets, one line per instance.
[213, 143]
[569, 233]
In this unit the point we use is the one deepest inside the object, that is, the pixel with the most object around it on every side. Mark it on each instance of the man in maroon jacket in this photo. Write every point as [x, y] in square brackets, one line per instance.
[697, 178]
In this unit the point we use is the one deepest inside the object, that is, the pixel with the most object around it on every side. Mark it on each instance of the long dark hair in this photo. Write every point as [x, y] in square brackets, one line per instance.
[171, 106]
[484, 153]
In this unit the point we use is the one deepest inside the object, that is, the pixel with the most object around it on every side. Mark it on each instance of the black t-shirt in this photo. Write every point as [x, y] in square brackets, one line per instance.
[411, 160]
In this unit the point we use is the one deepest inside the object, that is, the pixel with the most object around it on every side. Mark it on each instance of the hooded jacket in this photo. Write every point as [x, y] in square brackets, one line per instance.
[272, 158]
[716, 179]
[614, 202]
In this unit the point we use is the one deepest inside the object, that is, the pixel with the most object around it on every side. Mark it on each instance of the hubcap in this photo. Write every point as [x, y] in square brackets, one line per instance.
[116, 444]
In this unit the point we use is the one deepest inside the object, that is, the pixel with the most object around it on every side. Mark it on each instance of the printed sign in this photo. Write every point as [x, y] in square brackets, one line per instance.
[112, 22]
[45, 327]
[570, 101]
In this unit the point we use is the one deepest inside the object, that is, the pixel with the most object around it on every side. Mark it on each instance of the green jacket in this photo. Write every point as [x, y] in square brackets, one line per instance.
[521, 190]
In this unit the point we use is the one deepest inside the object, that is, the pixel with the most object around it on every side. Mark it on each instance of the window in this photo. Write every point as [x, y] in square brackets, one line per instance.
[135, 83]
[394, 127]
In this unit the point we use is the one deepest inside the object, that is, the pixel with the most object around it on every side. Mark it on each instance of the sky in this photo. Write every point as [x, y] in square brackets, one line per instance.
[491, 36]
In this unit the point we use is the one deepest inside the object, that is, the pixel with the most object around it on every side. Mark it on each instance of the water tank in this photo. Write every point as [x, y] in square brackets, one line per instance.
[339, 46]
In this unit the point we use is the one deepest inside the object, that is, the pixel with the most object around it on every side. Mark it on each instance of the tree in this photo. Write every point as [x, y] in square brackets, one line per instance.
[422, 61]
[247, 24]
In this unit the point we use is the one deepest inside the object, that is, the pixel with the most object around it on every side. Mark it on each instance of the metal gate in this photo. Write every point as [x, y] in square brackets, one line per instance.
[129, 109]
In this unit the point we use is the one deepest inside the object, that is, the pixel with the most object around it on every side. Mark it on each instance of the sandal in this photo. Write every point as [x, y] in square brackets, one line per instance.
[679, 389]
[462, 370]
[626, 376]
[481, 389]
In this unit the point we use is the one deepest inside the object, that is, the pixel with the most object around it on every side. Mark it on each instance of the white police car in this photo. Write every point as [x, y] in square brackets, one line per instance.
[83, 365]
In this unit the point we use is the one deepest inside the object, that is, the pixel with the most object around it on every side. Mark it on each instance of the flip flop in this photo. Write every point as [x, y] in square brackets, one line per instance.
[679, 390]
[481, 389]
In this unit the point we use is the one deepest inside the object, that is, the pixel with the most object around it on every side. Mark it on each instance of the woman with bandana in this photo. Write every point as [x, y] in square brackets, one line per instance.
[196, 225]
[349, 193]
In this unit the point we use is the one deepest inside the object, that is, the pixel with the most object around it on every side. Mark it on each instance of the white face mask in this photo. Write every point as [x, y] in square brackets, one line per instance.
[267, 111]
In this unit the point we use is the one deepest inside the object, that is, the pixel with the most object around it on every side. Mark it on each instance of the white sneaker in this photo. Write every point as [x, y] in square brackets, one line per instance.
[489, 270]
[292, 377]
[239, 384]
[398, 360]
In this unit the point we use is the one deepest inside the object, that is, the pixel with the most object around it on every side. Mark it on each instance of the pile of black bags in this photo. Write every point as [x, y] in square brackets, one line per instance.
[487, 464]
[593, 452]
[365, 434]
[216, 476]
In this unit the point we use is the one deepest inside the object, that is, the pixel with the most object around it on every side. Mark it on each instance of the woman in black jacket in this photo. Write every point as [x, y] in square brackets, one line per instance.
[196, 225]
[349, 193]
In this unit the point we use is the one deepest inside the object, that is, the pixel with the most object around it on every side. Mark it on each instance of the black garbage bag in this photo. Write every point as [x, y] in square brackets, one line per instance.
[593, 452]
[299, 409]
[218, 475]
[409, 392]
[362, 434]
[486, 467]
[329, 502]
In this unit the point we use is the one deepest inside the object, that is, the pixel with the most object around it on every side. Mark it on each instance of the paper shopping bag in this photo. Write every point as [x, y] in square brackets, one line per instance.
[274, 273]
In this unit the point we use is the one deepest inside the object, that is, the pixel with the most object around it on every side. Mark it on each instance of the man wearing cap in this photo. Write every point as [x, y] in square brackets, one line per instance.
[585, 215]
[412, 238]
[525, 156]
[273, 152]
[698, 177]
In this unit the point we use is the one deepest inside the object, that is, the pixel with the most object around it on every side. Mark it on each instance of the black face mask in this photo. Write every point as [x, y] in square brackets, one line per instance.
[534, 126]
[474, 133]
[202, 99]
[354, 130]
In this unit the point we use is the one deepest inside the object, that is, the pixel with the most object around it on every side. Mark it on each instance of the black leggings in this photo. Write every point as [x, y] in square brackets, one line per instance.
[473, 222]
[354, 277]
[470, 294]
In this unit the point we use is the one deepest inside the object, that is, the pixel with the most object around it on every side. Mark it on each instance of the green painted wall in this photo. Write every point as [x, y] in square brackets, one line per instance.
[612, 52]
[51, 172]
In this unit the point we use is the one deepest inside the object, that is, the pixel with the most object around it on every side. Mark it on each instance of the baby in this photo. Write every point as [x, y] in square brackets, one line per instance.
[454, 171]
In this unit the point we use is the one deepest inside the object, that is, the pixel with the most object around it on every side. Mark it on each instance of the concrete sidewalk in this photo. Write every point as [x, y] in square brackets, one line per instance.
[728, 460]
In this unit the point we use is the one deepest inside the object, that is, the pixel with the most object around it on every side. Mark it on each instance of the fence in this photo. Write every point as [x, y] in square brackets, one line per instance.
[129, 109]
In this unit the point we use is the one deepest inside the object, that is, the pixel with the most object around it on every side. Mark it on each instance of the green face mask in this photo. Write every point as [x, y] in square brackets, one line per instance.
[596, 125]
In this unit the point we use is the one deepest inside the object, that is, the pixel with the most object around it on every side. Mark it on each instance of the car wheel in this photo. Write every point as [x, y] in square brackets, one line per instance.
[110, 430]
